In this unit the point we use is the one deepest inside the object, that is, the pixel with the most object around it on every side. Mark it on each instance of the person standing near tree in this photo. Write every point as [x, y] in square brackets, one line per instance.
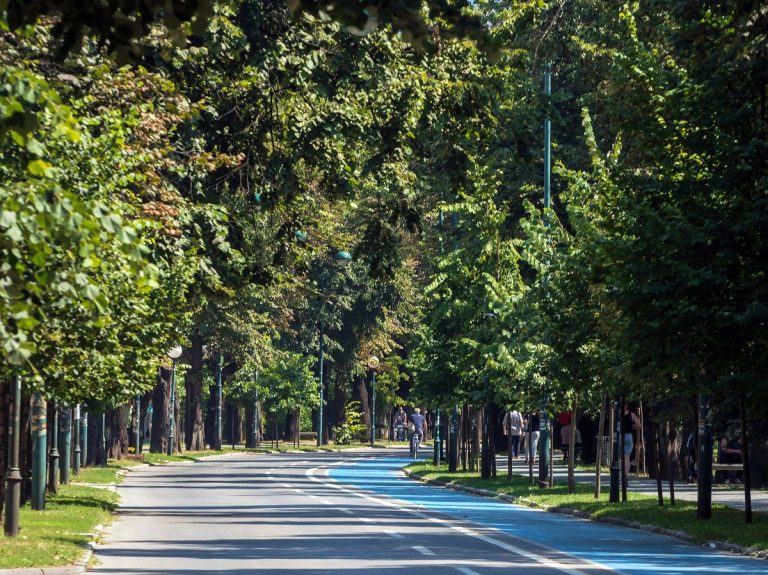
[513, 428]
[629, 421]
[533, 425]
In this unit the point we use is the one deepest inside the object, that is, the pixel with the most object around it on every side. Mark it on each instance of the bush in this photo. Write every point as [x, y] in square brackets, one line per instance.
[353, 428]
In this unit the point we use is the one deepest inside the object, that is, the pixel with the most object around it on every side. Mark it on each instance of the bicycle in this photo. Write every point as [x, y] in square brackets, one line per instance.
[415, 440]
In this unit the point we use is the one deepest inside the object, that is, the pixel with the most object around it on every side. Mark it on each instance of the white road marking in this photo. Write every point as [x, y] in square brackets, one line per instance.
[365, 519]
[423, 550]
[347, 511]
[395, 534]
[552, 563]
[288, 485]
[325, 502]
[298, 491]
[466, 571]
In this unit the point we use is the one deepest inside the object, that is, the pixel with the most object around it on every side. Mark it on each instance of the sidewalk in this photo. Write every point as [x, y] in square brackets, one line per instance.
[731, 496]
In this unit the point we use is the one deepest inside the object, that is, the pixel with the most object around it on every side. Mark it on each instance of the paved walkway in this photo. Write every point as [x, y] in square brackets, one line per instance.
[733, 496]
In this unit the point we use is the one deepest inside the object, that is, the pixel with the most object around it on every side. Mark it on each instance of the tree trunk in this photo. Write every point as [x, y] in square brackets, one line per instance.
[118, 436]
[291, 425]
[361, 394]
[194, 425]
[671, 454]
[161, 398]
[657, 460]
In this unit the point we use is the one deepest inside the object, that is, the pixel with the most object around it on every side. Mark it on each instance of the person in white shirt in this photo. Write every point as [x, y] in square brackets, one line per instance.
[513, 427]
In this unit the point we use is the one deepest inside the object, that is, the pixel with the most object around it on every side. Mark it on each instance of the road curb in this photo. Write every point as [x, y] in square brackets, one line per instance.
[721, 545]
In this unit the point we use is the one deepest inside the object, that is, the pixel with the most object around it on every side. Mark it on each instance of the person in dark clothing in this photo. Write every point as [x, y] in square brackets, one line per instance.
[533, 426]
[629, 421]
[419, 424]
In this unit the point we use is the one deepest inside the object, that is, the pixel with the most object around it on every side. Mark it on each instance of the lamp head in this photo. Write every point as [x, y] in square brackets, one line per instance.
[373, 362]
[343, 258]
[174, 353]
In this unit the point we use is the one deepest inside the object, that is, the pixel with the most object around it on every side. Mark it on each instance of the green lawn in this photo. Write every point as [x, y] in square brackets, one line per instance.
[58, 535]
[727, 525]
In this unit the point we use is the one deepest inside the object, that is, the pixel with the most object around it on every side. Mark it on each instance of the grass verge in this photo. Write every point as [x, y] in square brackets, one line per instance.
[59, 534]
[727, 524]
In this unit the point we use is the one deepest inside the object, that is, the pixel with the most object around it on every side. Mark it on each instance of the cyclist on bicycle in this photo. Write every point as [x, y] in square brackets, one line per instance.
[419, 425]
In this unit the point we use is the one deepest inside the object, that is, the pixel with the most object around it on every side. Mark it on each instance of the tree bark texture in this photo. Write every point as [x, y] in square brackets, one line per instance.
[361, 394]
[194, 428]
[117, 445]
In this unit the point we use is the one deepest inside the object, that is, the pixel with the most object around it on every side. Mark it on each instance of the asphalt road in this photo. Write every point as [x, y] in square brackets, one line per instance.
[355, 512]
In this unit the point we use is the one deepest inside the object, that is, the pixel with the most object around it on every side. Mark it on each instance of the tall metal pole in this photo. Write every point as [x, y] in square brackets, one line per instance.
[13, 475]
[39, 447]
[704, 463]
[615, 488]
[172, 414]
[547, 137]
[53, 463]
[255, 439]
[218, 431]
[103, 440]
[137, 425]
[544, 444]
[543, 415]
[453, 452]
[77, 451]
[84, 437]
[373, 408]
[320, 407]
[66, 444]
[438, 439]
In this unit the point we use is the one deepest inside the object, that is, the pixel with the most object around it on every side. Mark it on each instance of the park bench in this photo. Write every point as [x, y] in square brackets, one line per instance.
[308, 436]
[723, 471]
[727, 467]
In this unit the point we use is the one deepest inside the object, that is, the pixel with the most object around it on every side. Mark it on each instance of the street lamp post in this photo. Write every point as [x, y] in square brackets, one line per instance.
[373, 363]
[103, 440]
[137, 425]
[39, 447]
[174, 354]
[84, 437]
[320, 407]
[13, 475]
[77, 450]
[66, 444]
[218, 430]
[342, 259]
[614, 491]
[53, 456]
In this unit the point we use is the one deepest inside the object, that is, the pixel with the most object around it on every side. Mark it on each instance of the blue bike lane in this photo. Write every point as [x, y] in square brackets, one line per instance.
[623, 550]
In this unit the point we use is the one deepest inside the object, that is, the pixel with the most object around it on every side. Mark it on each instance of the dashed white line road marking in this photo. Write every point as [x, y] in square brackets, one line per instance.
[394, 534]
[423, 550]
[347, 511]
[298, 491]
[325, 502]
[365, 519]
[288, 485]
[466, 571]
[313, 496]
[559, 565]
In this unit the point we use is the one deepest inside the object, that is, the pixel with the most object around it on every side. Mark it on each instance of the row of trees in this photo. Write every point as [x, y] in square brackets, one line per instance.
[199, 194]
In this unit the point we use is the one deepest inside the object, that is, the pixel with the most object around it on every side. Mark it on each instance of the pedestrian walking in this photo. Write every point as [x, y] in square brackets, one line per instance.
[513, 428]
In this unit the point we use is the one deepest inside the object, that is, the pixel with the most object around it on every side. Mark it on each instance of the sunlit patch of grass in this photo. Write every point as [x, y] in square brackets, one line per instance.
[58, 534]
